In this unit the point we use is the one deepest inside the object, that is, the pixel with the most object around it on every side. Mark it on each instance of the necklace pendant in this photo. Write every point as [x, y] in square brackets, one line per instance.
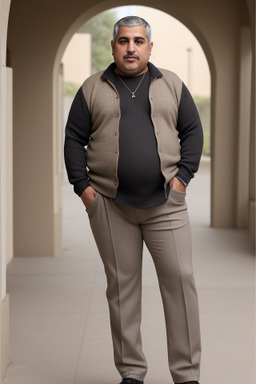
[133, 96]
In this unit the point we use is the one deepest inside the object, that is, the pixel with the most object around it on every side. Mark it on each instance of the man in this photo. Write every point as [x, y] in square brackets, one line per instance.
[133, 142]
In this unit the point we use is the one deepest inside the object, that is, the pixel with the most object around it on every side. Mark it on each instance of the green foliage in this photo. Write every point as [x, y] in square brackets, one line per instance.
[207, 144]
[204, 109]
[101, 29]
[70, 89]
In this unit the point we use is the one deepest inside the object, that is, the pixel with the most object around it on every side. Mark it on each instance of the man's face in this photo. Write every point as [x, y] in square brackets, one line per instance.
[131, 50]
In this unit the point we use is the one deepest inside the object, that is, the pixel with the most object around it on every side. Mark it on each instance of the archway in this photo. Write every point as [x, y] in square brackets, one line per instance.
[170, 27]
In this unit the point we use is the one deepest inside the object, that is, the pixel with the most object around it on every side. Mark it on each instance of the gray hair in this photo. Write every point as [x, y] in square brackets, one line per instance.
[132, 21]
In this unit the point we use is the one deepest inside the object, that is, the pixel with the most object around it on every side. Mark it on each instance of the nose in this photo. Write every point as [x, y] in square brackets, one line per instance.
[130, 47]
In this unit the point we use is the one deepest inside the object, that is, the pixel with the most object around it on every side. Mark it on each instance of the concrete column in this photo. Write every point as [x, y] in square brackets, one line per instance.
[252, 203]
[244, 130]
[6, 174]
[224, 140]
[36, 142]
[37, 209]
[6, 224]
[6, 207]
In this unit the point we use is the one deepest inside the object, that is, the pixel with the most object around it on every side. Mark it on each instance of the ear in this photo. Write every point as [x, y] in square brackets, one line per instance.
[112, 45]
[151, 46]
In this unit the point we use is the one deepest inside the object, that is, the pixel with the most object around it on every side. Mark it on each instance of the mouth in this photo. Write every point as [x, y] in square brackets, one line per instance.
[131, 58]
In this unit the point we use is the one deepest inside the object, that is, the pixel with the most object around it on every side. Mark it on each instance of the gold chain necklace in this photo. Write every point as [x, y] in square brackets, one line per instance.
[132, 92]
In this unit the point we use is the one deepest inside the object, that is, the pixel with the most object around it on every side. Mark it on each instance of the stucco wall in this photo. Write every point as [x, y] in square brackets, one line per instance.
[77, 58]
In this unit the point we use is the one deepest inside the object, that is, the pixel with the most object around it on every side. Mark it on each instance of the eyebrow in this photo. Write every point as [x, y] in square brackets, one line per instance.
[127, 38]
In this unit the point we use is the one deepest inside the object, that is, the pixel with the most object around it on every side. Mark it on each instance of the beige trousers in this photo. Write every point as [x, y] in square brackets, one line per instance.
[120, 232]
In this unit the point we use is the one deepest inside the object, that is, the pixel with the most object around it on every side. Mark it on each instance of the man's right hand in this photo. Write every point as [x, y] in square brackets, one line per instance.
[88, 196]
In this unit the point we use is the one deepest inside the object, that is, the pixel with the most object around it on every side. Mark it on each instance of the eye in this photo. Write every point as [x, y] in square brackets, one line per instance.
[139, 41]
[122, 42]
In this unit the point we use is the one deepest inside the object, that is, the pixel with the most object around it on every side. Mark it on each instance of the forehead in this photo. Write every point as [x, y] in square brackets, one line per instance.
[131, 32]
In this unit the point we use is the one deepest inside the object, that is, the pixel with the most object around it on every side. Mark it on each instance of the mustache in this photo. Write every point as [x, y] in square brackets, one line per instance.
[130, 55]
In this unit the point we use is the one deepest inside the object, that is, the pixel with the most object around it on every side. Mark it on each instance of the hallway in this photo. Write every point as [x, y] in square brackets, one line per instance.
[59, 316]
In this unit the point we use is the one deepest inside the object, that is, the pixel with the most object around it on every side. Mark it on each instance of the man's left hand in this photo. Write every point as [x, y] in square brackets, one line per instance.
[177, 185]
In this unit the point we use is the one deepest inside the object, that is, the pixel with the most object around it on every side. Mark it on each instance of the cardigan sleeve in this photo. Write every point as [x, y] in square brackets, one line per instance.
[77, 135]
[190, 135]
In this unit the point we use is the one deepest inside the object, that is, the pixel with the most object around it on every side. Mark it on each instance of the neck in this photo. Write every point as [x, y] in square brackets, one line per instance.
[130, 74]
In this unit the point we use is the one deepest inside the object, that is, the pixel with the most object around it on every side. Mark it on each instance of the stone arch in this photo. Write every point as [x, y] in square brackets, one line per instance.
[192, 27]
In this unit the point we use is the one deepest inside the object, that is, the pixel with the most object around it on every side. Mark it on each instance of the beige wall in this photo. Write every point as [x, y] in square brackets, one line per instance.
[77, 58]
[171, 39]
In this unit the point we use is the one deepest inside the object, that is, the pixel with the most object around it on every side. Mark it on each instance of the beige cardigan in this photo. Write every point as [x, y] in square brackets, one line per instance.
[104, 106]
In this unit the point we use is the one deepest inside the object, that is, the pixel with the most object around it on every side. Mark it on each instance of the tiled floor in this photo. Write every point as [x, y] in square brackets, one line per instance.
[59, 318]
